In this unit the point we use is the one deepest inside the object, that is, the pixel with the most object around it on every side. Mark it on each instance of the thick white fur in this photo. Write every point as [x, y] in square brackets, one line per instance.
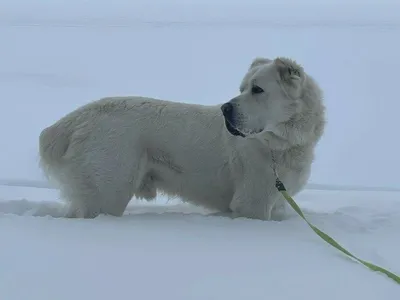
[106, 152]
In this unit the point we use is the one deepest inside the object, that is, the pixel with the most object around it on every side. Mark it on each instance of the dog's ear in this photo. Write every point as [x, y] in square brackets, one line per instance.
[289, 70]
[258, 61]
[290, 73]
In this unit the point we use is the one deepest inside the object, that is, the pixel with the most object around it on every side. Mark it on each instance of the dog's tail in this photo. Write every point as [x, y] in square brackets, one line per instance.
[53, 144]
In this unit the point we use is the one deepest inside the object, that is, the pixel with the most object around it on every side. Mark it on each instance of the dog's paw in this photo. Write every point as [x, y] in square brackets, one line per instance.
[77, 212]
[249, 213]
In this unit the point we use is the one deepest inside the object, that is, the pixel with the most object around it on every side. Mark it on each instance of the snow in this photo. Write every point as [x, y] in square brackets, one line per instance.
[175, 251]
[56, 55]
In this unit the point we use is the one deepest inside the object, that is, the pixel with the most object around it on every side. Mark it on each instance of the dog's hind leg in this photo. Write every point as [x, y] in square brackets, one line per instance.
[82, 196]
[116, 195]
[102, 172]
[88, 197]
[104, 184]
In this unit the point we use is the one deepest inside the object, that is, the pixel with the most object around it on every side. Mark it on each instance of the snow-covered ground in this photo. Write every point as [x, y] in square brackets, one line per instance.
[174, 251]
[56, 55]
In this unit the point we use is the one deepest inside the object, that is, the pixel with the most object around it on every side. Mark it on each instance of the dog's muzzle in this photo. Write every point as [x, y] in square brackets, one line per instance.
[228, 113]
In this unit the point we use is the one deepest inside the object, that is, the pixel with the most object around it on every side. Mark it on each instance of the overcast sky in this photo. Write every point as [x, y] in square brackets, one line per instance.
[352, 51]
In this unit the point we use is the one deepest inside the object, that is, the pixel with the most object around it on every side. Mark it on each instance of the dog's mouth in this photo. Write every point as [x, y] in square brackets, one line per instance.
[236, 132]
[232, 129]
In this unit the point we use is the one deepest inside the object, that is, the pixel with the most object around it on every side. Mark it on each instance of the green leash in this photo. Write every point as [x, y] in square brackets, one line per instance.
[281, 188]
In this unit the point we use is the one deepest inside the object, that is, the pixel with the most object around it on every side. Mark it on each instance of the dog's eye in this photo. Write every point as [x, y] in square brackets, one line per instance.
[256, 90]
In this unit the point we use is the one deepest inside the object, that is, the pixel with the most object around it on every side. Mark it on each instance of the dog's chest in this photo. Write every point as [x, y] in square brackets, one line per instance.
[293, 167]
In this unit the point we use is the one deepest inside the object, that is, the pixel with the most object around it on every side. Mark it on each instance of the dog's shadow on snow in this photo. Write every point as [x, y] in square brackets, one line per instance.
[135, 210]
[55, 209]
[358, 222]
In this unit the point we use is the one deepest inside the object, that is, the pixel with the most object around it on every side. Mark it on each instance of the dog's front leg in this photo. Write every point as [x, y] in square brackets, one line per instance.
[254, 198]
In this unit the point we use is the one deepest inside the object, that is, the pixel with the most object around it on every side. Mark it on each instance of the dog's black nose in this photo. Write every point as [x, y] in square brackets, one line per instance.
[227, 109]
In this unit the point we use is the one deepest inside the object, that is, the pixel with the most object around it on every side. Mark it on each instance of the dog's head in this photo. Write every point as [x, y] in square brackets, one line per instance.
[270, 94]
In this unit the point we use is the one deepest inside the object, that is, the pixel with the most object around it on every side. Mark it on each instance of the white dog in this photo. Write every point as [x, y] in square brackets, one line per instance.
[218, 157]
